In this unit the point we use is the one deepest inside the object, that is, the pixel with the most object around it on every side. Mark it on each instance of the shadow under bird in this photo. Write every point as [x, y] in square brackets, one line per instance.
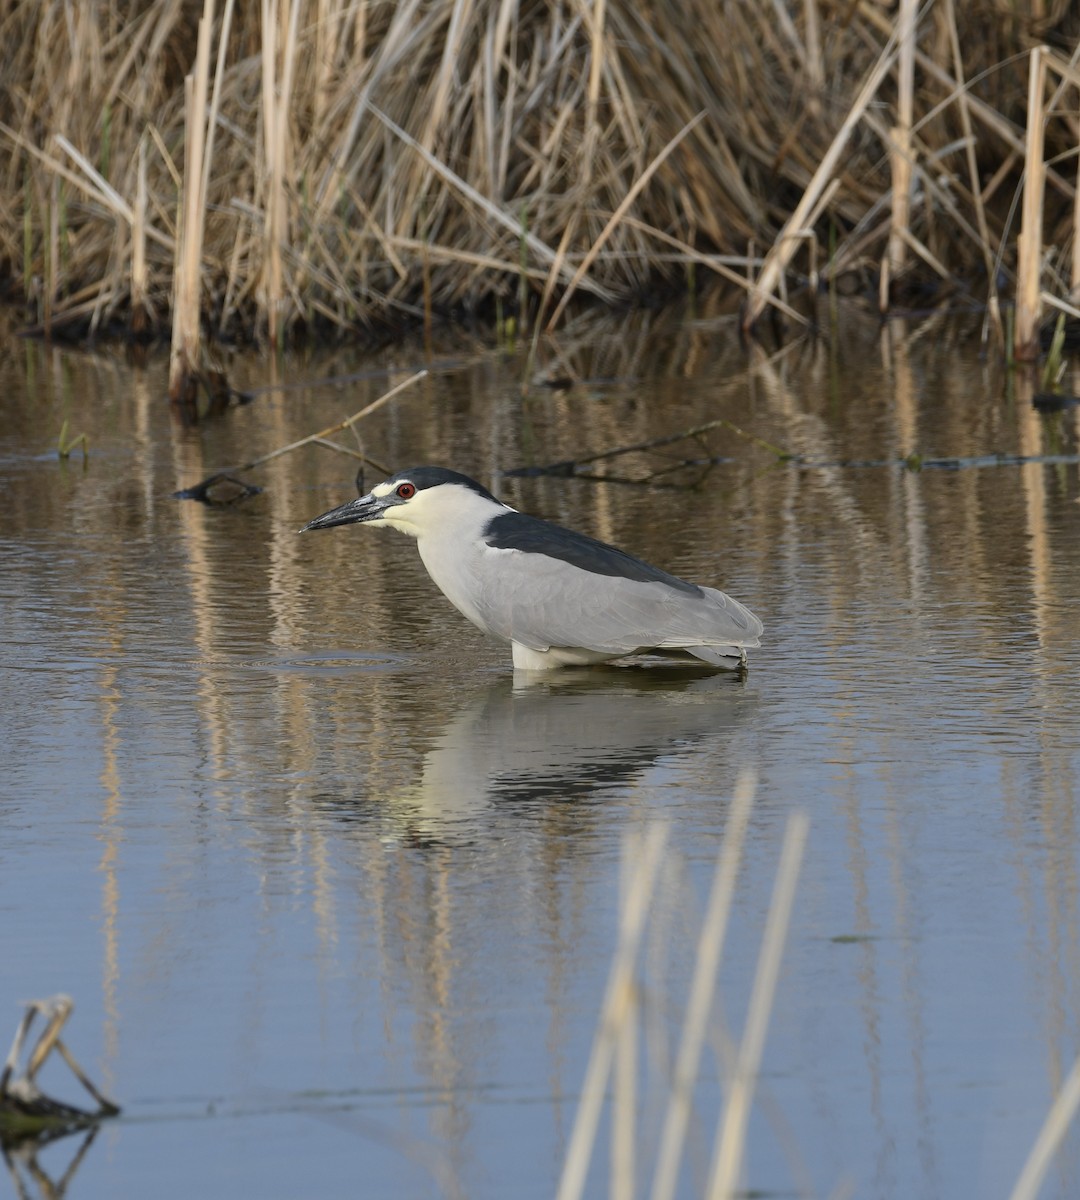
[558, 597]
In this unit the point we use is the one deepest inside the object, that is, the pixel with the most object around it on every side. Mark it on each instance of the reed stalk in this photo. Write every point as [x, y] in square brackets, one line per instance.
[901, 151]
[139, 272]
[615, 1055]
[1029, 247]
[1058, 1119]
[731, 1135]
[645, 854]
[278, 71]
[710, 951]
[187, 279]
[52, 257]
[815, 63]
[975, 185]
[1074, 274]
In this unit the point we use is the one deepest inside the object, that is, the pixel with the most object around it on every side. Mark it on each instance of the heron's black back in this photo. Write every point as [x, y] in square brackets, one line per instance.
[518, 531]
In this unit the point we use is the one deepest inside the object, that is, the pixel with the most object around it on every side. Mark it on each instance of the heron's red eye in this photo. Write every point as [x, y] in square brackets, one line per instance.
[406, 490]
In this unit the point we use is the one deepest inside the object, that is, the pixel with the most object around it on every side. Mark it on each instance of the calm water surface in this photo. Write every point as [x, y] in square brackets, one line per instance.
[336, 896]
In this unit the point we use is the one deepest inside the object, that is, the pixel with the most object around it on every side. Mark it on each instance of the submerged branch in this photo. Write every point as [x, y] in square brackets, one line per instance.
[571, 468]
[319, 438]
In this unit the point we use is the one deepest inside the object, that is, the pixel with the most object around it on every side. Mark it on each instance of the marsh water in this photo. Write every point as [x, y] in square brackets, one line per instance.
[336, 895]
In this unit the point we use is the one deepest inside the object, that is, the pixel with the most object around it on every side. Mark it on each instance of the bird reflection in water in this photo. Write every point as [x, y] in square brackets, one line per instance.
[567, 737]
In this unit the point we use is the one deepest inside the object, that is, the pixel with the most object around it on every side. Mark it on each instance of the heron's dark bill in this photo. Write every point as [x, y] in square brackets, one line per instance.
[366, 508]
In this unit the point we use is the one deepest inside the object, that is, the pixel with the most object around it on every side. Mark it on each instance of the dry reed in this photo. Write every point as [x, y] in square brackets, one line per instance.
[725, 1176]
[1061, 1115]
[614, 1055]
[1029, 255]
[187, 272]
[703, 985]
[367, 164]
[900, 151]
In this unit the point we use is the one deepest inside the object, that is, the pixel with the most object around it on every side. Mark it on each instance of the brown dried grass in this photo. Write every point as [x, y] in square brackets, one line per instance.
[374, 161]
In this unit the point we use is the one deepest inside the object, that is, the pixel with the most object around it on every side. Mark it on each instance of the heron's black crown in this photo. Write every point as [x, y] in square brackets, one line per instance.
[429, 477]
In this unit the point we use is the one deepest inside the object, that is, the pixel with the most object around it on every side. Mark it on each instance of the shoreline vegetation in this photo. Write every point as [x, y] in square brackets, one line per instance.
[322, 168]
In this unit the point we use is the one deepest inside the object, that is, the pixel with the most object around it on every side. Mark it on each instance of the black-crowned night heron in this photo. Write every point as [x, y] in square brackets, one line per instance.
[558, 597]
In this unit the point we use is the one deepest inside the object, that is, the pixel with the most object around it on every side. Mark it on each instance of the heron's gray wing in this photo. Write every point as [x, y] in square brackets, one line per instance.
[542, 601]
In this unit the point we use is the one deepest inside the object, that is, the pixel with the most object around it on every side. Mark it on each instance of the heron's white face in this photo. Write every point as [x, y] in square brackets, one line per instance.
[418, 508]
[446, 509]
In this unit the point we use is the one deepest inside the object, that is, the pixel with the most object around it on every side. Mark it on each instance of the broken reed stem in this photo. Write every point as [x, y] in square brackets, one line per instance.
[1029, 248]
[455, 181]
[21, 1094]
[101, 188]
[710, 952]
[645, 852]
[360, 455]
[731, 1133]
[695, 431]
[55, 1019]
[108, 1108]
